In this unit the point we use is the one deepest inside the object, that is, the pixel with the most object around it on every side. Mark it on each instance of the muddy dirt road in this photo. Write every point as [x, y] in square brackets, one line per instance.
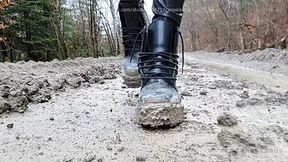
[229, 118]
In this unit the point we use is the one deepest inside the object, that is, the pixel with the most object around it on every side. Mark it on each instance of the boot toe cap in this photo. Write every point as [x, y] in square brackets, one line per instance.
[131, 69]
[159, 93]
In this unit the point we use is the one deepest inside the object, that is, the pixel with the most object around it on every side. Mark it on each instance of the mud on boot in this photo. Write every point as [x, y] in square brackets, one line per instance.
[159, 101]
[159, 106]
[133, 20]
[132, 81]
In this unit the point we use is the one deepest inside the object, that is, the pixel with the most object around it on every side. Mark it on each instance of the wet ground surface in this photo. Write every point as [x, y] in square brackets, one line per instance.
[227, 119]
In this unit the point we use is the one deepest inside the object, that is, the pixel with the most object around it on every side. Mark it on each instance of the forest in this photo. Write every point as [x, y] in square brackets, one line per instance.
[235, 24]
[43, 30]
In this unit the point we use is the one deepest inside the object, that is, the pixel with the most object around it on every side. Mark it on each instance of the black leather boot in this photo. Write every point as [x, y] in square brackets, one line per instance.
[159, 101]
[133, 20]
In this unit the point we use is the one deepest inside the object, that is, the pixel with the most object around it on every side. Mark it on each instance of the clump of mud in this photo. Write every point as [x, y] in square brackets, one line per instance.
[228, 84]
[240, 142]
[262, 98]
[227, 120]
[34, 82]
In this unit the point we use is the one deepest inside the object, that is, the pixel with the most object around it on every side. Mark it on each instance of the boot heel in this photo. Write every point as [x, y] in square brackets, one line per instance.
[132, 81]
[160, 115]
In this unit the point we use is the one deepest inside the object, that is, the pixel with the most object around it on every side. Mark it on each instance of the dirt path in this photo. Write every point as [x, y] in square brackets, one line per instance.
[278, 82]
[227, 120]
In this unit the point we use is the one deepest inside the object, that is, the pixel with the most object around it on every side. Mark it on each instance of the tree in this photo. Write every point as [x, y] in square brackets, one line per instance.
[235, 24]
[32, 30]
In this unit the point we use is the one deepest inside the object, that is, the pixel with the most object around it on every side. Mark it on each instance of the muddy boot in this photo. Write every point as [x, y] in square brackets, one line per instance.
[159, 101]
[133, 20]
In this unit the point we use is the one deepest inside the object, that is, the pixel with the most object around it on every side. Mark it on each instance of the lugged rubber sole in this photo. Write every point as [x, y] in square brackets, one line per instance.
[160, 115]
[132, 81]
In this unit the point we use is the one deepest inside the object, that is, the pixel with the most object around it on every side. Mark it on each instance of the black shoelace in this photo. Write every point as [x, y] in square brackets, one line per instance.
[158, 60]
[130, 39]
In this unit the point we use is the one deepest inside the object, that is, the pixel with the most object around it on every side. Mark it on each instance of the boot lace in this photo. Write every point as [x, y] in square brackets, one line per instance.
[131, 39]
[167, 62]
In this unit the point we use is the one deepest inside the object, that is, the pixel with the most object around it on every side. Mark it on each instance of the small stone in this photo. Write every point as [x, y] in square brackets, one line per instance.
[140, 158]
[4, 91]
[227, 120]
[41, 153]
[16, 93]
[212, 86]
[86, 85]
[31, 90]
[17, 137]
[87, 112]
[4, 105]
[186, 93]
[100, 160]
[121, 149]
[10, 126]
[225, 138]
[50, 139]
[226, 74]
[21, 62]
[51, 119]
[75, 82]
[240, 103]
[109, 148]
[285, 137]
[203, 93]
[90, 158]
[102, 82]
[233, 152]
[244, 95]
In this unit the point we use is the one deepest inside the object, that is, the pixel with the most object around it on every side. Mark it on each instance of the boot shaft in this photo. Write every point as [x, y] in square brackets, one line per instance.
[133, 19]
[131, 13]
[160, 62]
[172, 9]
[163, 32]
[163, 36]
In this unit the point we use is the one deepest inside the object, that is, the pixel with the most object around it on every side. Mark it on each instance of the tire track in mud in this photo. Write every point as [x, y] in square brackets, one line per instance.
[227, 120]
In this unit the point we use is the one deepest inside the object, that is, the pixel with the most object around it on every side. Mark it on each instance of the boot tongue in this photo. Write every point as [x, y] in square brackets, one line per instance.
[157, 71]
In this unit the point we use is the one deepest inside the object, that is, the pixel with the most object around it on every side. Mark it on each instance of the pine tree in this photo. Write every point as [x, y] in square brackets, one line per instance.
[32, 32]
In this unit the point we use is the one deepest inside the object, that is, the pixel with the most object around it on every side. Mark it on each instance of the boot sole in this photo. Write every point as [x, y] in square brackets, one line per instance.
[160, 115]
[132, 81]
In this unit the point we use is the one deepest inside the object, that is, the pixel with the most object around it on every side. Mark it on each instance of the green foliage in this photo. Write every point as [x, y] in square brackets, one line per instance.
[32, 29]
[42, 30]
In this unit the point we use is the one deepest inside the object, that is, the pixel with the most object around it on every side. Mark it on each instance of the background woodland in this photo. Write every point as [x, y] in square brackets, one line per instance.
[43, 30]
